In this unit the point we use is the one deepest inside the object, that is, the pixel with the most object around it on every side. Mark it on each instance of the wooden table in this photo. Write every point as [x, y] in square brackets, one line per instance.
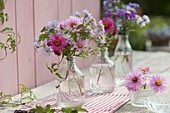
[158, 61]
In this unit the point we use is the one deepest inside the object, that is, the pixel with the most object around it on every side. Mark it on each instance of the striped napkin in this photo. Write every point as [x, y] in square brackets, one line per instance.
[94, 103]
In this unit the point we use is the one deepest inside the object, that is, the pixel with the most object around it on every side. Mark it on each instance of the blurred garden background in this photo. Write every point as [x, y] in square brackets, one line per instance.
[156, 35]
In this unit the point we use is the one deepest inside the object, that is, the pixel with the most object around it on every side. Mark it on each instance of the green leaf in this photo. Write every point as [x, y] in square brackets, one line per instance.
[48, 108]
[43, 29]
[74, 111]
[74, 36]
[59, 76]
[52, 110]
[6, 30]
[53, 65]
[2, 45]
[51, 71]
[84, 34]
[42, 37]
[2, 18]
[80, 109]
[66, 110]
[80, 26]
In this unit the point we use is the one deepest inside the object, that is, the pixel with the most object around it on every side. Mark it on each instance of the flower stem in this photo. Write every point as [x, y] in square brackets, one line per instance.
[144, 86]
[99, 76]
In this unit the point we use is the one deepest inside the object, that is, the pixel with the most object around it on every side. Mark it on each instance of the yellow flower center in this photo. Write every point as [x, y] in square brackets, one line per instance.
[134, 79]
[106, 25]
[102, 26]
[53, 25]
[158, 83]
[57, 42]
[73, 25]
[94, 19]
[137, 16]
[102, 37]
[128, 12]
[144, 69]
[65, 37]
[80, 46]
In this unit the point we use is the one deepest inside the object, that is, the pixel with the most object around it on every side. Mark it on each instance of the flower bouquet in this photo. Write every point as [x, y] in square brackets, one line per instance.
[142, 85]
[68, 39]
[126, 19]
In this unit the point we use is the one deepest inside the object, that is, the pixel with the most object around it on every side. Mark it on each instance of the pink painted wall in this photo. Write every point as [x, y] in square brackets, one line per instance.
[27, 17]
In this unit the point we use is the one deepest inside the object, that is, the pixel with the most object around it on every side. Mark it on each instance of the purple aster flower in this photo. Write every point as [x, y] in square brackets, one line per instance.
[57, 42]
[46, 51]
[135, 5]
[157, 83]
[72, 22]
[134, 81]
[79, 45]
[37, 44]
[102, 37]
[144, 69]
[130, 15]
[108, 24]
[52, 24]
[108, 14]
[121, 13]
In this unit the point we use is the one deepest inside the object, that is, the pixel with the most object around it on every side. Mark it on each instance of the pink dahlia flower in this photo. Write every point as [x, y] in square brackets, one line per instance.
[108, 24]
[144, 70]
[57, 42]
[79, 45]
[157, 83]
[134, 81]
[72, 22]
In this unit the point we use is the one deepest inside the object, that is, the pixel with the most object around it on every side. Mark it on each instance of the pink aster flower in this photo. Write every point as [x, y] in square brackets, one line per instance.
[79, 45]
[157, 83]
[57, 42]
[72, 22]
[144, 70]
[108, 24]
[134, 81]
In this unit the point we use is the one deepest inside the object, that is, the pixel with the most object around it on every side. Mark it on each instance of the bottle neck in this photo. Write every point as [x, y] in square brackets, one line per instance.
[70, 61]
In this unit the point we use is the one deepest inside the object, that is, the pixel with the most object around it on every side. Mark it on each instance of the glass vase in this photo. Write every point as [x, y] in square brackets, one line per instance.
[123, 59]
[138, 97]
[70, 92]
[102, 79]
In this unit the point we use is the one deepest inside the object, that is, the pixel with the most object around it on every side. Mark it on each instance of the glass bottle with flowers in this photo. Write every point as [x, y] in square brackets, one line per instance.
[102, 79]
[67, 39]
[141, 85]
[126, 19]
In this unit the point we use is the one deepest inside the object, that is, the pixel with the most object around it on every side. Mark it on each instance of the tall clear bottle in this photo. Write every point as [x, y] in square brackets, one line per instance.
[102, 79]
[123, 59]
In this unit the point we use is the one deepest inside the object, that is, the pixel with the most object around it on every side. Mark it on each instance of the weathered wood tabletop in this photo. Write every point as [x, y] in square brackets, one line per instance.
[158, 61]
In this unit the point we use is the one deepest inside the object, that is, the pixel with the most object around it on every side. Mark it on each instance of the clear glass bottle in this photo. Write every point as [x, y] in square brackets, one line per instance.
[123, 59]
[102, 79]
[70, 92]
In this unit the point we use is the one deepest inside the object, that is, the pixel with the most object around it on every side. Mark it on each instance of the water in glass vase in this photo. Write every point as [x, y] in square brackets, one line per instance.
[71, 90]
[102, 78]
[71, 93]
[123, 65]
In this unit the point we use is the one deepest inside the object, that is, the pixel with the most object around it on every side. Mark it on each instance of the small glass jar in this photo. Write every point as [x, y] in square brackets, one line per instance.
[102, 79]
[138, 97]
[123, 59]
[70, 92]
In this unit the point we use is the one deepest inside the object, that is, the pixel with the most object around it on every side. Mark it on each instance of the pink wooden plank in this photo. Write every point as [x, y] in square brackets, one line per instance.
[8, 67]
[94, 7]
[45, 10]
[26, 67]
[64, 9]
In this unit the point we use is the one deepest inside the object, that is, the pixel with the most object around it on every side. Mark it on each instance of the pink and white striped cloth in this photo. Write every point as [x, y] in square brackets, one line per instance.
[94, 103]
